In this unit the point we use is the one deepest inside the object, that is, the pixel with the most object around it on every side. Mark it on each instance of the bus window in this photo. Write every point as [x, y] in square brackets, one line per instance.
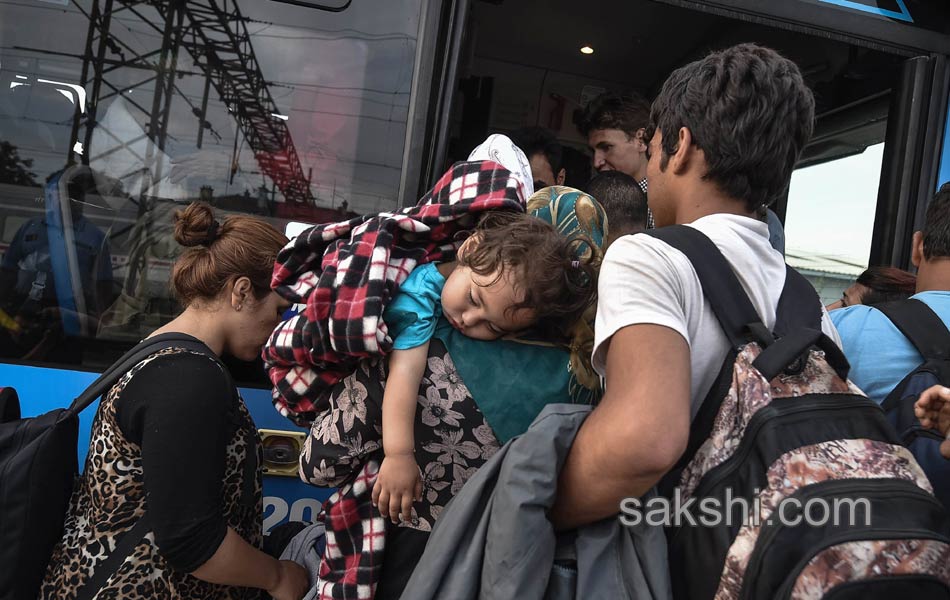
[830, 220]
[115, 115]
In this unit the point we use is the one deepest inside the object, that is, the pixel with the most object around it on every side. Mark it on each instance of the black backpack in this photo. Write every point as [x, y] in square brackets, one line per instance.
[929, 335]
[38, 468]
[782, 426]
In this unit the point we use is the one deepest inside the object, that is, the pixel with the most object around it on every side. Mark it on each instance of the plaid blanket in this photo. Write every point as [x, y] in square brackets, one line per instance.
[346, 273]
[356, 541]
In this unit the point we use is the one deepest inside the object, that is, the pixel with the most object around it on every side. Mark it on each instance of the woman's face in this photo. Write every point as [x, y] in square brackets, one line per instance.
[850, 296]
[253, 325]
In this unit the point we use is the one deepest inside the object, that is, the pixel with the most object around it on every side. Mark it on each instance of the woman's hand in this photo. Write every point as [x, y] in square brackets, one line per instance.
[397, 485]
[933, 411]
[292, 581]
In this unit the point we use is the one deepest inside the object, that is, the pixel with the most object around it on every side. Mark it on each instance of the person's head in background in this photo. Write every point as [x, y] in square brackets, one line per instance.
[577, 170]
[876, 285]
[77, 188]
[615, 126]
[931, 246]
[624, 203]
[544, 154]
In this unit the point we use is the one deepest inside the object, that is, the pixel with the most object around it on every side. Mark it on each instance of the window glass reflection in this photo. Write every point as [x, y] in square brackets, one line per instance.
[114, 114]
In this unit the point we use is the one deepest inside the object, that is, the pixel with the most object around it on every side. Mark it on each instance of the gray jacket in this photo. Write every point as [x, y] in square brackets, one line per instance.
[305, 549]
[494, 541]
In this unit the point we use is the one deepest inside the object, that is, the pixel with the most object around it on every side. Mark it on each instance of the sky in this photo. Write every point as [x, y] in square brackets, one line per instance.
[831, 207]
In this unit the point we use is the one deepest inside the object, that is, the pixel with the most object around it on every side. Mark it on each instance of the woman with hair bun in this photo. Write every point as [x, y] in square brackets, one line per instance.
[173, 443]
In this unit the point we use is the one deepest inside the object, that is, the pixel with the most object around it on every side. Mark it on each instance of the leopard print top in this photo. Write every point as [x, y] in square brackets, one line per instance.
[109, 498]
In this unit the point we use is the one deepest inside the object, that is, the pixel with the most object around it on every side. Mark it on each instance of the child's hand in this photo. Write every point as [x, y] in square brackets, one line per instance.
[397, 485]
[933, 411]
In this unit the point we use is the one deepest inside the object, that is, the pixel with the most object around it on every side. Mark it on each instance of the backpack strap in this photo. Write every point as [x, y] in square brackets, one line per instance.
[111, 564]
[731, 305]
[799, 305]
[920, 325]
[140, 352]
[9, 405]
[798, 310]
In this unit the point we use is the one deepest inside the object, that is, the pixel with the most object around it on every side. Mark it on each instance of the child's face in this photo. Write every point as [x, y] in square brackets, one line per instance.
[478, 305]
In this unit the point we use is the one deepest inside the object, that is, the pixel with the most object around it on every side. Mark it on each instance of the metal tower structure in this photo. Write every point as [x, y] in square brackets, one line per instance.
[215, 34]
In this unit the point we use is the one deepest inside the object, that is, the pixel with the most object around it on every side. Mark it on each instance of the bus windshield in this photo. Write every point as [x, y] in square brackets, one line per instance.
[113, 115]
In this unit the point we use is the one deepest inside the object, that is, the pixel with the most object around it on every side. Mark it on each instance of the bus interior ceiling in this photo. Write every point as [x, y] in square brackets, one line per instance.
[521, 65]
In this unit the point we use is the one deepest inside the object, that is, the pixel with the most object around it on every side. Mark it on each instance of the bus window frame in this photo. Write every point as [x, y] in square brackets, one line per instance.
[921, 100]
[853, 27]
[420, 119]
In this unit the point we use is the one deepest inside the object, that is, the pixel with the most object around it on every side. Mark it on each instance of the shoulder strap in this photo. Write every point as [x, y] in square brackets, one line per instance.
[111, 564]
[720, 285]
[799, 305]
[920, 325]
[140, 352]
[9, 405]
[799, 309]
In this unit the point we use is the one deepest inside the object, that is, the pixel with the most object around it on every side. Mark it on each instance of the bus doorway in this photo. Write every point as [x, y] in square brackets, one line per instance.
[538, 63]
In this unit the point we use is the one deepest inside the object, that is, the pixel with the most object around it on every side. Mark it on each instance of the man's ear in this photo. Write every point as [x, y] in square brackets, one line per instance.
[640, 141]
[685, 152]
[917, 249]
[559, 178]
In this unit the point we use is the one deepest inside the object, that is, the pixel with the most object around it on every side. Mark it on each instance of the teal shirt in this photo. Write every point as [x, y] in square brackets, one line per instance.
[510, 381]
[414, 312]
[879, 354]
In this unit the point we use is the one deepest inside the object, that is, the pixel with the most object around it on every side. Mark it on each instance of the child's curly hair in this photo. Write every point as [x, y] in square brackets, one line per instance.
[557, 284]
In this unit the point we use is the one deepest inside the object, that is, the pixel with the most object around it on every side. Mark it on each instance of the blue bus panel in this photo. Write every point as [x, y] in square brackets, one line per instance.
[44, 389]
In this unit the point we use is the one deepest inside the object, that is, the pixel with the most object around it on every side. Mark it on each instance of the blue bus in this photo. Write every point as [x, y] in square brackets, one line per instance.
[305, 112]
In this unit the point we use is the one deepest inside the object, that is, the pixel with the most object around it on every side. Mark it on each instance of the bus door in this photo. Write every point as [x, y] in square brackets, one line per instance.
[878, 69]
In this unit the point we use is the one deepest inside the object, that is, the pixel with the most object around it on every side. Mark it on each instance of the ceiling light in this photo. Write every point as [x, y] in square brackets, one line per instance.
[587, 50]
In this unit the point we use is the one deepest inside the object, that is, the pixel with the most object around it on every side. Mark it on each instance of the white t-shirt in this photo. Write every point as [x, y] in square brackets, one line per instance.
[645, 281]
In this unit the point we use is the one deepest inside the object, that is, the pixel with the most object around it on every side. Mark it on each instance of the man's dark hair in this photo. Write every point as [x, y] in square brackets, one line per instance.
[627, 112]
[937, 225]
[623, 200]
[748, 109]
[538, 140]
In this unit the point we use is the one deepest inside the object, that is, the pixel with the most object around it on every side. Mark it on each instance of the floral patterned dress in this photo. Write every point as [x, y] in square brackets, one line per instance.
[452, 436]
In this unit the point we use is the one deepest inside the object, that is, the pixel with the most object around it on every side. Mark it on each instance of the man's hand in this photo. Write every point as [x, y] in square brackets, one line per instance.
[399, 483]
[933, 411]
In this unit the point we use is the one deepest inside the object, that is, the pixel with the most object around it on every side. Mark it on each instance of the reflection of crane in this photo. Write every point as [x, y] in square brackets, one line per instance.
[215, 34]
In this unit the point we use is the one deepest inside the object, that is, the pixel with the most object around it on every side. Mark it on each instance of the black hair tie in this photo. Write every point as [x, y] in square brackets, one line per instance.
[212, 234]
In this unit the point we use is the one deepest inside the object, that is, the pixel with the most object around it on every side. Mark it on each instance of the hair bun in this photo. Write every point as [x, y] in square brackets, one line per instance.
[195, 225]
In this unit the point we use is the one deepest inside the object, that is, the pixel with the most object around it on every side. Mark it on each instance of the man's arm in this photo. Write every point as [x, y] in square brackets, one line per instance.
[638, 431]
